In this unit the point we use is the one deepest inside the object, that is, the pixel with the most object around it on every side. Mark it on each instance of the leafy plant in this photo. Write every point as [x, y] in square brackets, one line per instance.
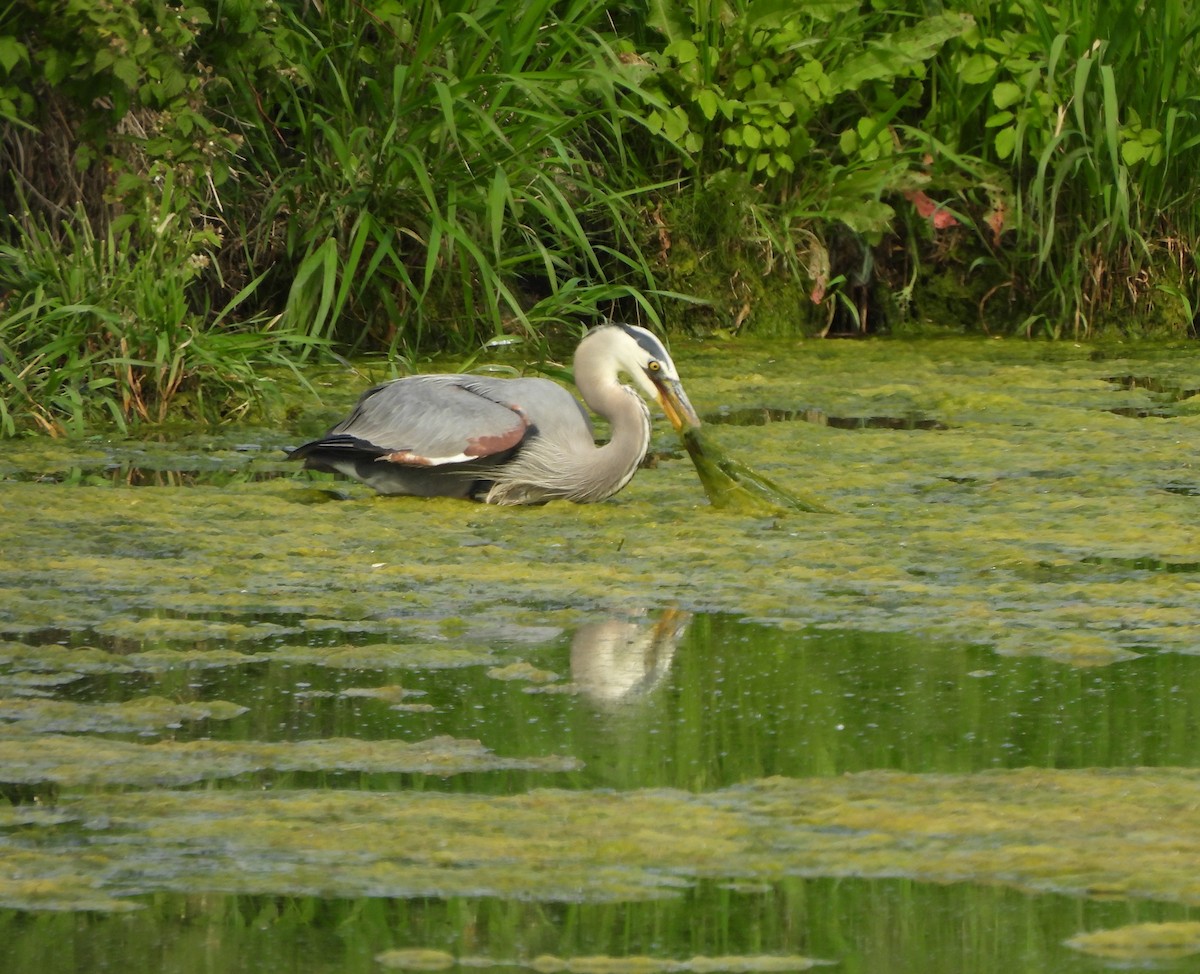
[806, 109]
[102, 328]
[445, 171]
[1102, 138]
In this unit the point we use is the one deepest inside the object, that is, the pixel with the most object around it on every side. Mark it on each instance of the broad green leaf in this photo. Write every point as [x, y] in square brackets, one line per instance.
[197, 15]
[899, 53]
[977, 69]
[675, 123]
[707, 100]
[1006, 94]
[1133, 152]
[683, 51]
[862, 216]
[669, 18]
[126, 72]
[1006, 140]
[751, 136]
[773, 14]
[12, 52]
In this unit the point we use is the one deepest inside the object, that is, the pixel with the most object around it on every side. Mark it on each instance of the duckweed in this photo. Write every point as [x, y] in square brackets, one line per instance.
[144, 714]
[1141, 943]
[1034, 518]
[998, 504]
[419, 959]
[1133, 833]
[74, 761]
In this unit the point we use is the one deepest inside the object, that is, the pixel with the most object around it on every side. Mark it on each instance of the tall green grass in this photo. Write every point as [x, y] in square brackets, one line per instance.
[191, 192]
[106, 329]
[440, 172]
[1094, 110]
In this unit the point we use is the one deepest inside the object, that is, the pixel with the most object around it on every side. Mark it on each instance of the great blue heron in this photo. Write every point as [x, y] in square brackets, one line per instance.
[509, 441]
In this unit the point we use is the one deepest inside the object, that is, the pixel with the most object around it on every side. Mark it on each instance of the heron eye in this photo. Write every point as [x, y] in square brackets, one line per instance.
[654, 366]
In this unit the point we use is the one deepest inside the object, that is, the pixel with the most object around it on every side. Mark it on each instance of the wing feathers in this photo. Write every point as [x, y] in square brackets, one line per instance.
[429, 421]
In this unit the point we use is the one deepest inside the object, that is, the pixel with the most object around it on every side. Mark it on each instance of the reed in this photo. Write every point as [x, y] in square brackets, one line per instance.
[108, 329]
[1091, 108]
[192, 192]
[447, 172]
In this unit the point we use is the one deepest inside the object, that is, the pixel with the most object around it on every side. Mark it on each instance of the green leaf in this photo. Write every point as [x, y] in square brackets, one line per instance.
[669, 19]
[1134, 152]
[900, 53]
[1109, 85]
[675, 123]
[12, 52]
[197, 15]
[55, 66]
[1006, 94]
[824, 11]
[751, 136]
[707, 100]
[683, 51]
[126, 71]
[978, 69]
[862, 216]
[1006, 140]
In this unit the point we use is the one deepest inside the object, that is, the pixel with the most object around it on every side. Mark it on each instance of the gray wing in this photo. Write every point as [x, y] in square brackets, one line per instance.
[432, 420]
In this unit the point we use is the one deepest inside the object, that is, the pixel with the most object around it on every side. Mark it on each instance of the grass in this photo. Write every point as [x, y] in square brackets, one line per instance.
[242, 184]
[101, 329]
[447, 173]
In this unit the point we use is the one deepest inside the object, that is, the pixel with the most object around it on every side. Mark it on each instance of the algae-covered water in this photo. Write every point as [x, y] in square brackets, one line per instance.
[259, 720]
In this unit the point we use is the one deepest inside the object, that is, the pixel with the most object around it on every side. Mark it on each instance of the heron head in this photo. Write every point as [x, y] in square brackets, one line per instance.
[638, 353]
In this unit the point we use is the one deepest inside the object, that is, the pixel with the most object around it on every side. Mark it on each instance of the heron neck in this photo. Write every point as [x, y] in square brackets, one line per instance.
[615, 463]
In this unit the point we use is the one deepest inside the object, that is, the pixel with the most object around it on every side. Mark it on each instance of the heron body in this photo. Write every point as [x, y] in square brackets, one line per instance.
[509, 441]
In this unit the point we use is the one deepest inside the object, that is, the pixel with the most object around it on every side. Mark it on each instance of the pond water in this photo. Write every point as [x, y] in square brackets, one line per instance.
[256, 720]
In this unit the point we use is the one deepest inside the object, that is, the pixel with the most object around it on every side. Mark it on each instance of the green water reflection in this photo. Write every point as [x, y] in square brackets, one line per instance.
[880, 927]
[730, 701]
[720, 700]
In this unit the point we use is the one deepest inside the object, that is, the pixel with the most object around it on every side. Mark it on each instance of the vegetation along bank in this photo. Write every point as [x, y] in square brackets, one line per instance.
[196, 192]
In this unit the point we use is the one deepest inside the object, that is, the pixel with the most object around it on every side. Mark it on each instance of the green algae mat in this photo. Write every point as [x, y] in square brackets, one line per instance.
[949, 722]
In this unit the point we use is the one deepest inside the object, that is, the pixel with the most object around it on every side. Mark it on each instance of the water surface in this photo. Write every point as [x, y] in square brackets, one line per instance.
[258, 720]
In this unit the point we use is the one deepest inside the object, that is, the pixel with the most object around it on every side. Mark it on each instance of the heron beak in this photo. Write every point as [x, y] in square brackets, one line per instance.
[675, 404]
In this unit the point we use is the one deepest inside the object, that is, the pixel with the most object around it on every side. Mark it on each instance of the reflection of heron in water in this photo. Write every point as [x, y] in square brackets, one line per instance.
[619, 660]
